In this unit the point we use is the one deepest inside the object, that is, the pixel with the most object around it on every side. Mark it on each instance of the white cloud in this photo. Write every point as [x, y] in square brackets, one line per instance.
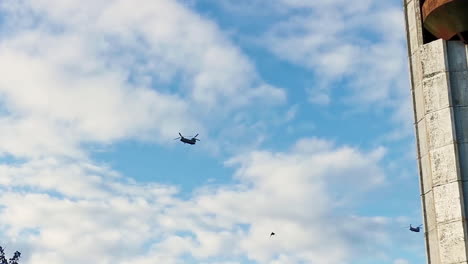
[319, 97]
[362, 42]
[166, 36]
[355, 52]
[80, 210]
[400, 261]
[101, 71]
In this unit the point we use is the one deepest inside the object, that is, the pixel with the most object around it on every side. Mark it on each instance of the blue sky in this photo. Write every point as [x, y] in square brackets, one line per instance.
[303, 113]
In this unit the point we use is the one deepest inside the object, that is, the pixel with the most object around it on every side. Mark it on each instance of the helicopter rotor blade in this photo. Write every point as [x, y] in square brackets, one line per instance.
[180, 134]
[176, 138]
[195, 136]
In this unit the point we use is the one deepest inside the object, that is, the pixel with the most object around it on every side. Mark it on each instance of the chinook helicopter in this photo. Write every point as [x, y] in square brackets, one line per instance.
[414, 229]
[190, 141]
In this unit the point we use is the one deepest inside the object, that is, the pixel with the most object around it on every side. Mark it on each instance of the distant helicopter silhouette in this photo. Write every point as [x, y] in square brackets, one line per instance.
[414, 229]
[272, 234]
[190, 141]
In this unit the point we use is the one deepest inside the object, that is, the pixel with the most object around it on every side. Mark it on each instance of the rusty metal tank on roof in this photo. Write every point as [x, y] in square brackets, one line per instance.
[446, 18]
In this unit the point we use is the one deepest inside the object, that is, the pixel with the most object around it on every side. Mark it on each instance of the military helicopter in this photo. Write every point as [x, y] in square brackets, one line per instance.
[414, 229]
[190, 141]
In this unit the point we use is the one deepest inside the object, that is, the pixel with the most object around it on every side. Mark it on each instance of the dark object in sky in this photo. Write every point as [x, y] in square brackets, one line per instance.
[13, 260]
[446, 19]
[272, 234]
[191, 141]
[415, 229]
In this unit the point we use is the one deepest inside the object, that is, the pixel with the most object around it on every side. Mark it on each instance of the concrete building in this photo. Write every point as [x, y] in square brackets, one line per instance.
[439, 80]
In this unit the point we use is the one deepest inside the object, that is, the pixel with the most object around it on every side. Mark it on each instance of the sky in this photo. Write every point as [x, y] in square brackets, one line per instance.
[302, 109]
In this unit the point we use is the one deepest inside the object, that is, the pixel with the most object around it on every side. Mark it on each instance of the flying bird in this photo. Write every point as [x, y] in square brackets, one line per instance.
[272, 234]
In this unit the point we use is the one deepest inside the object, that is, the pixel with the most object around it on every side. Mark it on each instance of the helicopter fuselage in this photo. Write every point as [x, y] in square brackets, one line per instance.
[188, 141]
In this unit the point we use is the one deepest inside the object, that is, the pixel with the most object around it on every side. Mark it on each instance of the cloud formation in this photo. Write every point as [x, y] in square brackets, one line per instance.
[97, 72]
[355, 52]
[100, 72]
[362, 43]
[66, 212]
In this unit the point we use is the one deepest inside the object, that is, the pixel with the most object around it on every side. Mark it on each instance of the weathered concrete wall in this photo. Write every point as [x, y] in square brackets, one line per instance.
[439, 79]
